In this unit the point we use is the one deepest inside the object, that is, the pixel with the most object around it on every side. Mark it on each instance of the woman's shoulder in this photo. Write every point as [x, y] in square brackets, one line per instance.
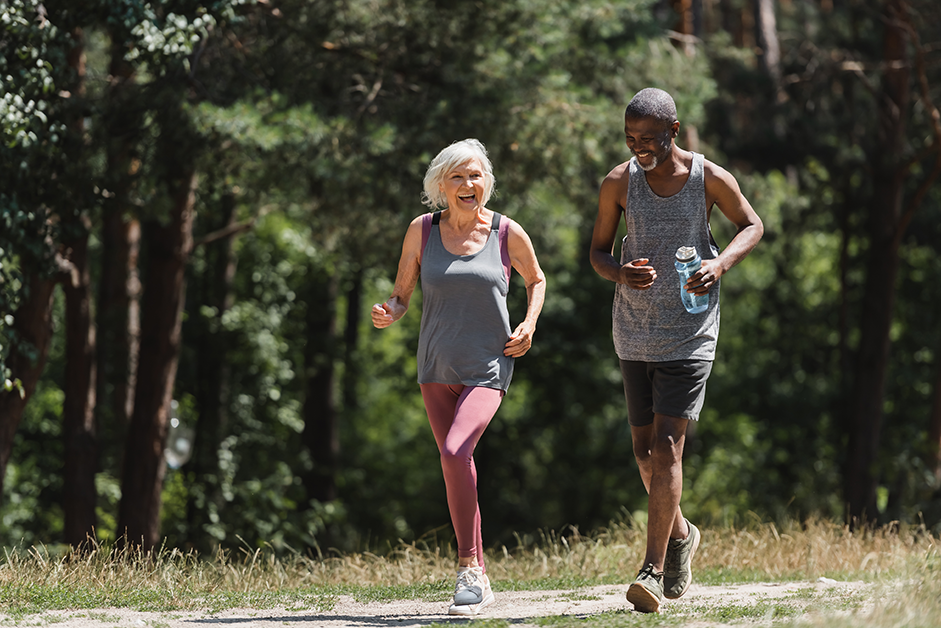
[514, 230]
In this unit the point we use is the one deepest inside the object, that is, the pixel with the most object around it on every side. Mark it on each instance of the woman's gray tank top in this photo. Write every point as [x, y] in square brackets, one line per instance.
[465, 323]
[652, 325]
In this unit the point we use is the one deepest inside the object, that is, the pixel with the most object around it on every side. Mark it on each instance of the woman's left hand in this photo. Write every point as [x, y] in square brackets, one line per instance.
[520, 342]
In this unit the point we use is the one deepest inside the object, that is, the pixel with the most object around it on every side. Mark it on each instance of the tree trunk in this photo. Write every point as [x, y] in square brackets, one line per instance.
[212, 374]
[766, 31]
[81, 445]
[321, 435]
[934, 428]
[119, 284]
[351, 370]
[685, 24]
[167, 246]
[878, 302]
[80, 437]
[118, 316]
[736, 20]
[32, 324]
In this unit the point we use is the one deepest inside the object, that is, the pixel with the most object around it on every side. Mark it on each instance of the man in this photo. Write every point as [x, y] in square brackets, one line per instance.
[666, 195]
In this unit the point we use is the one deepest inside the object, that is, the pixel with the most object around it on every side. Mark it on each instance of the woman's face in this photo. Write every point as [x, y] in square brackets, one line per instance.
[464, 186]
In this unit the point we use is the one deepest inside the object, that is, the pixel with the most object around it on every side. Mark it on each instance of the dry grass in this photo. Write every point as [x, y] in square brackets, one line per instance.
[36, 580]
[759, 552]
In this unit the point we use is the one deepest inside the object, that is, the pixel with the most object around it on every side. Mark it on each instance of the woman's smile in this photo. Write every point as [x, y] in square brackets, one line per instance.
[464, 185]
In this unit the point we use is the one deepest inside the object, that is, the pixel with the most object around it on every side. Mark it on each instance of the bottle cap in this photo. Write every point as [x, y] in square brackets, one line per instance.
[686, 254]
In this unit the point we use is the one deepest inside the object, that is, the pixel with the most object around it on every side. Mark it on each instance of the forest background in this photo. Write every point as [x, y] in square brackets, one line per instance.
[199, 202]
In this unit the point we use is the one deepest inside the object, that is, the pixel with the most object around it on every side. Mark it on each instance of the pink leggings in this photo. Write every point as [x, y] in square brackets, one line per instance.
[458, 416]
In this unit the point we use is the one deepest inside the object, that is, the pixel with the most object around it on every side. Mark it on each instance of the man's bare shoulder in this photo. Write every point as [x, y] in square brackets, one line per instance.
[620, 171]
[714, 172]
[619, 177]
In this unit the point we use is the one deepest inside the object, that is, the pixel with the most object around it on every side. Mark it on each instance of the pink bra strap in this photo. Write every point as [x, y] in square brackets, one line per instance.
[425, 232]
[504, 246]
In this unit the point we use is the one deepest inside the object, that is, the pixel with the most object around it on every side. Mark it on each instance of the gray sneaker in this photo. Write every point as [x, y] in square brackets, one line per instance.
[472, 592]
[646, 592]
[678, 566]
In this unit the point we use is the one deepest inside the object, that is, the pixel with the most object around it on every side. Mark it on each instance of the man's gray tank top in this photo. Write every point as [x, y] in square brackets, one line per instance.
[465, 323]
[652, 325]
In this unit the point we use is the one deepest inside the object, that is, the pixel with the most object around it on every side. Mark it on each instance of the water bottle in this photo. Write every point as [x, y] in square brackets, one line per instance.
[687, 263]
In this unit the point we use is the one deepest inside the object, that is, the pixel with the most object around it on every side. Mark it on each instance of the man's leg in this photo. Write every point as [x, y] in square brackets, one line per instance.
[662, 398]
[658, 448]
[659, 451]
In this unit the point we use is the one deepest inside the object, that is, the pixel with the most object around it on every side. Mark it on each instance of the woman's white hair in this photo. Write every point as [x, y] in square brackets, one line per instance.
[447, 160]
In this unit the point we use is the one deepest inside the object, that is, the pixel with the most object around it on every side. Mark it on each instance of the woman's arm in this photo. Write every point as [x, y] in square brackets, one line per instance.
[523, 259]
[384, 314]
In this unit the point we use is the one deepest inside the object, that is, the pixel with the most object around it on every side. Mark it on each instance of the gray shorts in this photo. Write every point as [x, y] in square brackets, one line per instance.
[675, 389]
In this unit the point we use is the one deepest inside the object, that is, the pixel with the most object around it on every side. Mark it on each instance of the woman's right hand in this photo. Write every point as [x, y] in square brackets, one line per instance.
[382, 315]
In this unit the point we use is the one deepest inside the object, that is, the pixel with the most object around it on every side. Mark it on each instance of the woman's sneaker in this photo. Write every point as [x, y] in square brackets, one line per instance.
[472, 592]
[678, 566]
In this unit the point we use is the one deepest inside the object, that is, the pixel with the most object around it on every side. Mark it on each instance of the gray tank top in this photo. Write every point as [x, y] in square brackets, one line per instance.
[652, 325]
[465, 323]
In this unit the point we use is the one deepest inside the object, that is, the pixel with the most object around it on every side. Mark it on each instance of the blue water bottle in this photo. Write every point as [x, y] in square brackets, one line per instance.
[687, 263]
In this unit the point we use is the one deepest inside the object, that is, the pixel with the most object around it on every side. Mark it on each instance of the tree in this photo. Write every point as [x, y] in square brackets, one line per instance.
[37, 124]
[889, 215]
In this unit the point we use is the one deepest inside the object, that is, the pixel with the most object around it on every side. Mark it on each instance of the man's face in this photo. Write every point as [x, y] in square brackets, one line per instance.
[649, 140]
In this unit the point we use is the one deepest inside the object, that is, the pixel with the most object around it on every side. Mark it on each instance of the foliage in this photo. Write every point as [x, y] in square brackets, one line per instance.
[313, 122]
[302, 142]
[791, 361]
[32, 132]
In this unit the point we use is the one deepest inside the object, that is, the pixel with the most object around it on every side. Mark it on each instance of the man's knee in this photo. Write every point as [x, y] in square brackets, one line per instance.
[668, 441]
[666, 451]
[642, 438]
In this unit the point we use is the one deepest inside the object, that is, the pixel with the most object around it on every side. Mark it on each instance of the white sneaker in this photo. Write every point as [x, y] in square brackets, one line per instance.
[472, 592]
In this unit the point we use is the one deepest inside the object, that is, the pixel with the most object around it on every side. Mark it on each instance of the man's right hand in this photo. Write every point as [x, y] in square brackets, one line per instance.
[637, 274]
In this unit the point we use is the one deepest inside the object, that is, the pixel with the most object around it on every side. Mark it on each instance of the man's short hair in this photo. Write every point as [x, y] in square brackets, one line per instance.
[652, 103]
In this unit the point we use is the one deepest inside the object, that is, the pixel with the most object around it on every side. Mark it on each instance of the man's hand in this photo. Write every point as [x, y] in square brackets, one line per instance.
[637, 274]
[705, 277]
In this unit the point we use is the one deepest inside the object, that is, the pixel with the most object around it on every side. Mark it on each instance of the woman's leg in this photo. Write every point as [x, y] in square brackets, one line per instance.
[458, 416]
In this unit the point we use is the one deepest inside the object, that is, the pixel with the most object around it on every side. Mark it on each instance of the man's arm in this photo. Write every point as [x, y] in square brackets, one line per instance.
[723, 191]
[636, 274]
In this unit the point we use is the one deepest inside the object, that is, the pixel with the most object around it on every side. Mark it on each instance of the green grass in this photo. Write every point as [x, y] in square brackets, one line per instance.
[900, 569]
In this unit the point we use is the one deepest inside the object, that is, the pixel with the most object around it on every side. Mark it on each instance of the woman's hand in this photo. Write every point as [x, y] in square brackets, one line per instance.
[384, 314]
[520, 342]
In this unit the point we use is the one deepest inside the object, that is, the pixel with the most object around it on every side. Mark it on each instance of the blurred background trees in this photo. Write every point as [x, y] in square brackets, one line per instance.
[201, 200]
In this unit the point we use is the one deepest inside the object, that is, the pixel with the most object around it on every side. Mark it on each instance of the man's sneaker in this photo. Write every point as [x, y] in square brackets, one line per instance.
[646, 592]
[472, 592]
[678, 566]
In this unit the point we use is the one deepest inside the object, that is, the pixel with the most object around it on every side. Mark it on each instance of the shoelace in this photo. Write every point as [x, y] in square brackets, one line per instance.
[649, 571]
[466, 579]
[672, 562]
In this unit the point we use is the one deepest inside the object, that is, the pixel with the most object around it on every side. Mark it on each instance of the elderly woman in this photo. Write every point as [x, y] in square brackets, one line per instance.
[466, 348]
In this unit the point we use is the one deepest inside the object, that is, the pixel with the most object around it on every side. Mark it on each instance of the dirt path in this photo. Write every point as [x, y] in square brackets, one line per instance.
[515, 606]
